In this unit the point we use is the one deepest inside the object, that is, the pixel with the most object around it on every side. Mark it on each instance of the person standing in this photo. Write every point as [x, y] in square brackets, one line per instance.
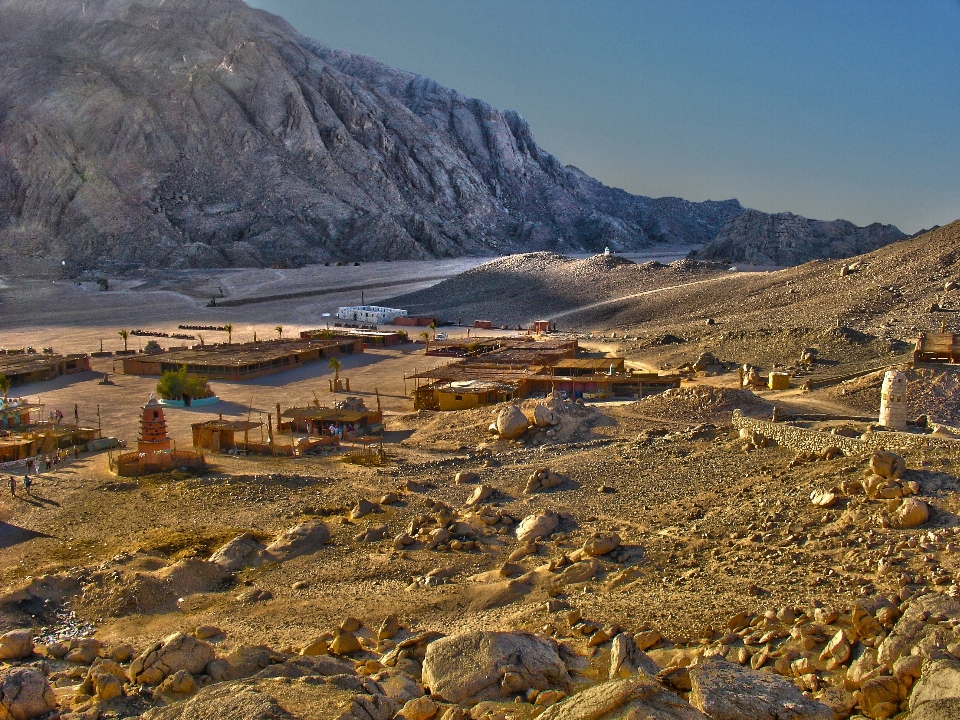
[27, 482]
[13, 485]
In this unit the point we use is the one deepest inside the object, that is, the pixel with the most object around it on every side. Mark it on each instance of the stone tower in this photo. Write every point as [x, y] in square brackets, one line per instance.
[153, 429]
[893, 400]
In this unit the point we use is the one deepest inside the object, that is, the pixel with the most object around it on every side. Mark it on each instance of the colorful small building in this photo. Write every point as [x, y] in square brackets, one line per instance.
[155, 449]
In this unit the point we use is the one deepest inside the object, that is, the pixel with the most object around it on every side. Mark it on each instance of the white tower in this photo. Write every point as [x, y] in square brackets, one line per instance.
[893, 400]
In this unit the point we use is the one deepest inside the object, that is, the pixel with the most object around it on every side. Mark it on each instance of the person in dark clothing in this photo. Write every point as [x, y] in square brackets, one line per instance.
[27, 482]
[13, 485]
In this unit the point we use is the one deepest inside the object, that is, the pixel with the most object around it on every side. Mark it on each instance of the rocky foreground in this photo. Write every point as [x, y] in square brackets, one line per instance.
[894, 652]
[875, 659]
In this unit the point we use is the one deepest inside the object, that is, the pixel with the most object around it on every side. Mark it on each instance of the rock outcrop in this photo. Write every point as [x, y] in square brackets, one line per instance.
[787, 239]
[191, 133]
[176, 652]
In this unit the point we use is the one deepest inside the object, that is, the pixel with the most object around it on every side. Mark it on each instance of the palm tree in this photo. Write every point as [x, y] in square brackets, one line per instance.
[124, 334]
[5, 384]
[433, 328]
[229, 328]
[425, 336]
[335, 364]
[279, 329]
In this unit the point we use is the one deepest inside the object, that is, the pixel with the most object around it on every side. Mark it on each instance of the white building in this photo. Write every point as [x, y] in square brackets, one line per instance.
[370, 314]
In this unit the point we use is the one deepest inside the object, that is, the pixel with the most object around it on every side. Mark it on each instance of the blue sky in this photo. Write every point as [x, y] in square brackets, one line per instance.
[844, 109]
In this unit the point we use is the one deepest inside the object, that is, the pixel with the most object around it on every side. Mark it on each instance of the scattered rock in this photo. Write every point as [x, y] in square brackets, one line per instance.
[344, 643]
[823, 498]
[480, 494]
[534, 527]
[180, 683]
[307, 537]
[543, 416]
[362, 509]
[601, 544]
[104, 680]
[421, 708]
[207, 631]
[388, 628]
[242, 551]
[910, 513]
[543, 479]
[467, 477]
[887, 464]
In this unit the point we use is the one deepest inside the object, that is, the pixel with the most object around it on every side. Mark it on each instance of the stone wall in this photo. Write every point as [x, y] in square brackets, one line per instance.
[814, 441]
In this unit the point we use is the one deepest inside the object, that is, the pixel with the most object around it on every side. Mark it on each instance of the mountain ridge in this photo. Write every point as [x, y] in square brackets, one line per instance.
[189, 134]
[185, 134]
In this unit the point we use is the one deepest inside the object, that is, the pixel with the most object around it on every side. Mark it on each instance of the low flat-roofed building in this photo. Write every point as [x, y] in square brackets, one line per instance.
[243, 361]
[22, 367]
[374, 314]
[512, 369]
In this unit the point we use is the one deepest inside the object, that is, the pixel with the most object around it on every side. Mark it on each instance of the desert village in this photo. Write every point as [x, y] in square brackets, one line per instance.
[400, 515]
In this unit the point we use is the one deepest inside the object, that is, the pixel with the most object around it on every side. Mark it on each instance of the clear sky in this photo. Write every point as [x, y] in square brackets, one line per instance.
[826, 108]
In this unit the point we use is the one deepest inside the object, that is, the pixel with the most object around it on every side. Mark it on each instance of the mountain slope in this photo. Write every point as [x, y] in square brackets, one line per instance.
[788, 239]
[191, 133]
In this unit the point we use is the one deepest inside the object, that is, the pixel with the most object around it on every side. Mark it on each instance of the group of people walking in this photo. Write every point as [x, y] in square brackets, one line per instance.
[50, 461]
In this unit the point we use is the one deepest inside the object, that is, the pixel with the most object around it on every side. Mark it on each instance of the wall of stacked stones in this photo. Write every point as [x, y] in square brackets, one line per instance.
[815, 441]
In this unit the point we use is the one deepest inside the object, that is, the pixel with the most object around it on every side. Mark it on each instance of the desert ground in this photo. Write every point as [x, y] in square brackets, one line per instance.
[668, 532]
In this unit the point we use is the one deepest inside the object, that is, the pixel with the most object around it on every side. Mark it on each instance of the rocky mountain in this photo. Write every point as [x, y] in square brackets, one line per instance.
[203, 133]
[787, 239]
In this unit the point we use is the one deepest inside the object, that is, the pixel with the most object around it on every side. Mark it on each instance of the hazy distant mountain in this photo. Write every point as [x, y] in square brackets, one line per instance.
[787, 239]
[201, 133]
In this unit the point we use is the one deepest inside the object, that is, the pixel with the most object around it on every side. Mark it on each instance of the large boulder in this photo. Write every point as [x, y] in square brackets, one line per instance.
[25, 694]
[912, 627]
[511, 422]
[476, 666]
[636, 697]
[307, 537]
[176, 652]
[726, 691]
[534, 527]
[242, 551]
[16, 645]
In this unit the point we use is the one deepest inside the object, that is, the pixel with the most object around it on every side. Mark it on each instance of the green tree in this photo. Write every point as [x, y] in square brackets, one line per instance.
[433, 329]
[229, 328]
[5, 384]
[335, 364]
[124, 334]
[279, 329]
[425, 336]
[173, 385]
